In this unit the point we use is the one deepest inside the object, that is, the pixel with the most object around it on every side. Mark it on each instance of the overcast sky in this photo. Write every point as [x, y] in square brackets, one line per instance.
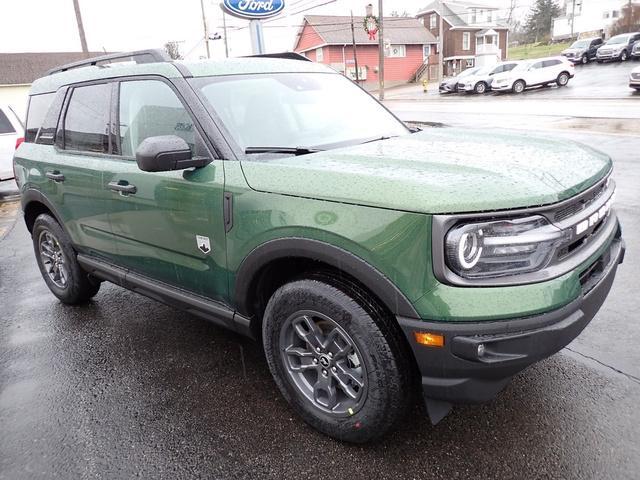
[120, 25]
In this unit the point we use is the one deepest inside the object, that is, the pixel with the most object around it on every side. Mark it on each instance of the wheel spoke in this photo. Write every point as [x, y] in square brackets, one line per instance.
[62, 274]
[308, 331]
[324, 392]
[344, 379]
[338, 344]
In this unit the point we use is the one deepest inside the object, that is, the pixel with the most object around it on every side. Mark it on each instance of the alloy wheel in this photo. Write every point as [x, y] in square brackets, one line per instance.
[323, 363]
[585, 59]
[53, 259]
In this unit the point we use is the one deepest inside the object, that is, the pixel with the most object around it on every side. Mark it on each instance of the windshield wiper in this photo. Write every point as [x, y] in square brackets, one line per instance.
[291, 150]
[377, 139]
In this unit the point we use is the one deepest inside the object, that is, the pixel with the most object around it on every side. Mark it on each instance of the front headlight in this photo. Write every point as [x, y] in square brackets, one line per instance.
[500, 248]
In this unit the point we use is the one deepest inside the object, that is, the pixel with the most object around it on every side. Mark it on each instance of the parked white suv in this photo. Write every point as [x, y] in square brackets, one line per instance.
[10, 131]
[481, 81]
[542, 71]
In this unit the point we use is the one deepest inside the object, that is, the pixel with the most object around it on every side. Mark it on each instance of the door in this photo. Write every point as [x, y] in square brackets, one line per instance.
[170, 225]
[536, 74]
[82, 145]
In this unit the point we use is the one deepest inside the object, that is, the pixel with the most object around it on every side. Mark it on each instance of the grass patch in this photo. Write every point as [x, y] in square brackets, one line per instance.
[536, 50]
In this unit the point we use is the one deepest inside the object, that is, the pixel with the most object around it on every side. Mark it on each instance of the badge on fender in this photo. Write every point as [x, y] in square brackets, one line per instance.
[204, 244]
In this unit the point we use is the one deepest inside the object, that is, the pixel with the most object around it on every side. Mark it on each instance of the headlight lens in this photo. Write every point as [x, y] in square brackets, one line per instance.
[500, 248]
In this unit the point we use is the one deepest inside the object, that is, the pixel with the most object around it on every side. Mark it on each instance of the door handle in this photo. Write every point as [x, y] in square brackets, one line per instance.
[55, 175]
[123, 187]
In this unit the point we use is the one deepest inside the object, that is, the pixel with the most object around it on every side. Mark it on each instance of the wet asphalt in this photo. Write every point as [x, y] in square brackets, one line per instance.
[127, 387]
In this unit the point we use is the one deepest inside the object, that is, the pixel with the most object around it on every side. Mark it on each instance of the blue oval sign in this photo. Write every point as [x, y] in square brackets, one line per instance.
[253, 9]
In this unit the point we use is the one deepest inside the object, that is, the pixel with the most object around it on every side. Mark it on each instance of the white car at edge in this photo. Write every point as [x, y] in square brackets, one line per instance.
[531, 73]
[11, 130]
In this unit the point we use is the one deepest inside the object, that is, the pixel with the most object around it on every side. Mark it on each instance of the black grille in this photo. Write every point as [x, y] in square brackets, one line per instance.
[579, 205]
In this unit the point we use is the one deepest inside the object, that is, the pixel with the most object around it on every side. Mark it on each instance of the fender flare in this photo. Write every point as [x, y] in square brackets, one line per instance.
[367, 275]
[32, 195]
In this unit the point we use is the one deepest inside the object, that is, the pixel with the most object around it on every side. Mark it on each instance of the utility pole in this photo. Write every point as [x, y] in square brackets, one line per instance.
[83, 40]
[224, 28]
[381, 51]
[573, 17]
[355, 49]
[206, 29]
[630, 16]
[440, 45]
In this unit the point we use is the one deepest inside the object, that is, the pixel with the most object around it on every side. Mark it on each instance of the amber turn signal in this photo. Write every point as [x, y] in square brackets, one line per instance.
[429, 339]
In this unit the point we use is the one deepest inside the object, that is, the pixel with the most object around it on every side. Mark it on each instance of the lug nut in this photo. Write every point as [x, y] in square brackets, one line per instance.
[325, 373]
[318, 349]
[334, 369]
[315, 361]
[330, 355]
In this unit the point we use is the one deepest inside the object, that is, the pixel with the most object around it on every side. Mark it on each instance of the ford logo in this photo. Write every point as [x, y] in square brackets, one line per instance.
[253, 9]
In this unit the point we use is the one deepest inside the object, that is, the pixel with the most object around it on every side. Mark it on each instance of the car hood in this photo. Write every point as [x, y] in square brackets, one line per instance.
[574, 50]
[437, 171]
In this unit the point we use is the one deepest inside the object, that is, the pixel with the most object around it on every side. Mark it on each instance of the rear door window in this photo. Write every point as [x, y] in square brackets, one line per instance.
[5, 124]
[38, 108]
[86, 123]
[551, 63]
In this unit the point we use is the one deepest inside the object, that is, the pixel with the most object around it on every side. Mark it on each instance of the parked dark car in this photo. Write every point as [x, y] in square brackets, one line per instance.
[618, 47]
[635, 53]
[450, 85]
[584, 50]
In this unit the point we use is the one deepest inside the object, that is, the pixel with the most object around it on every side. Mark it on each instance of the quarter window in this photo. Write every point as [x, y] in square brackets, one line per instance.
[86, 124]
[38, 107]
[150, 108]
[5, 124]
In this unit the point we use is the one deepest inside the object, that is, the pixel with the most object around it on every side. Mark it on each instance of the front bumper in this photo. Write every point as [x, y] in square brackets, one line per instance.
[608, 56]
[457, 373]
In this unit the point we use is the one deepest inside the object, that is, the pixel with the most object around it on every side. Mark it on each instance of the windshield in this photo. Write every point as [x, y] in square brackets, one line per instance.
[618, 40]
[469, 71]
[310, 110]
[581, 44]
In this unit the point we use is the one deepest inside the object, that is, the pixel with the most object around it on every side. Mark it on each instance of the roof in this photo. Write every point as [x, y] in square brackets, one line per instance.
[336, 30]
[203, 68]
[455, 12]
[24, 68]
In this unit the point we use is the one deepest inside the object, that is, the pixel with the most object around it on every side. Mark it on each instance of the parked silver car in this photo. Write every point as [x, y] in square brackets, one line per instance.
[480, 81]
[450, 85]
[11, 131]
[634, 79]
[618, 47]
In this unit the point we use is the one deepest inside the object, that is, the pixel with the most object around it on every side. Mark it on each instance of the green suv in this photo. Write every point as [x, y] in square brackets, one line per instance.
[276, 198]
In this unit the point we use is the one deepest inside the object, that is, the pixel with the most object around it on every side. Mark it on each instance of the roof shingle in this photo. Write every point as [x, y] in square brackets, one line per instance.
[24, 68]
[336, 30]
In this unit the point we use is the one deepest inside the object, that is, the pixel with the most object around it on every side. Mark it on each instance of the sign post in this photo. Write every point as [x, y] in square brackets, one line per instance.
[254, 11]
[257, 38]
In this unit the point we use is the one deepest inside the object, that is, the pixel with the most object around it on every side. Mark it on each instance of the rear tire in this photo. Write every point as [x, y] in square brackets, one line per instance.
[58, 263]
[309, 328]
[519, 86]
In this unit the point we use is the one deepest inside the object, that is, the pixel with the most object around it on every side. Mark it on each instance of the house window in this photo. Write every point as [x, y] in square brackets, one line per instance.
[605, 15]
[489, 16]
[615, 14]
[473, 16]
[470, 62]
[426, 52]
[466, 40]
[432, 21]
[319, 55]
[397, 51]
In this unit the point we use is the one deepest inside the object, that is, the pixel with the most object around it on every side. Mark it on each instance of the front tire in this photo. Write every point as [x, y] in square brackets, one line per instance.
[336, 358]
[519, 86]
[624, 56]
[58, 263]
[585, 59]
[563, 79]
[480, 88]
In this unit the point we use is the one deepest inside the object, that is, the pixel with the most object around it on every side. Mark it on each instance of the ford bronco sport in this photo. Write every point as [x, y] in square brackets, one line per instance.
[276, 198]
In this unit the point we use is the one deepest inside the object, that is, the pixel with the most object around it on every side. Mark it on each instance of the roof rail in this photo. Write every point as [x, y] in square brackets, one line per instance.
[139, 56]
[287, 55]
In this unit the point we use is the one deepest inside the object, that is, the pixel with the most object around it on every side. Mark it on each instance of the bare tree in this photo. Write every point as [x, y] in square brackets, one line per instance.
[173, 49]
[629, 21]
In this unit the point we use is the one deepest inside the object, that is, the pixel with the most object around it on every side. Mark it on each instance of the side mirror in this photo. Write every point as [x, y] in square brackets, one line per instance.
[165, 153]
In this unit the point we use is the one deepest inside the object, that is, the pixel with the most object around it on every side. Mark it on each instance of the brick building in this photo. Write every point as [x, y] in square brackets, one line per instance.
[472, 34]
[411, 48]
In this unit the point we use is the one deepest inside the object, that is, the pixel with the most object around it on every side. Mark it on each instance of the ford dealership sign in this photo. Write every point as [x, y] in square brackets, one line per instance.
[253, 9]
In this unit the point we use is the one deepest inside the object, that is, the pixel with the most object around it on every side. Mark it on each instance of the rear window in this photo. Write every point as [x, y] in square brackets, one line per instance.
[38, 108]
[5, 124]
[86, 124]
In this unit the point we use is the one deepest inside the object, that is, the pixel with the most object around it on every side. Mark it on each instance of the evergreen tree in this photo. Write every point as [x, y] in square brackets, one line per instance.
[540, 19]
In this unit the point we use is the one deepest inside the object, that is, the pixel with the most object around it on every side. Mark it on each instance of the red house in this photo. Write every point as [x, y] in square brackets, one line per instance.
[410, 49]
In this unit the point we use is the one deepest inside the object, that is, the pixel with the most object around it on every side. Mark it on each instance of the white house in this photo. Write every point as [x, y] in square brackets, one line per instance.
[591, 18]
